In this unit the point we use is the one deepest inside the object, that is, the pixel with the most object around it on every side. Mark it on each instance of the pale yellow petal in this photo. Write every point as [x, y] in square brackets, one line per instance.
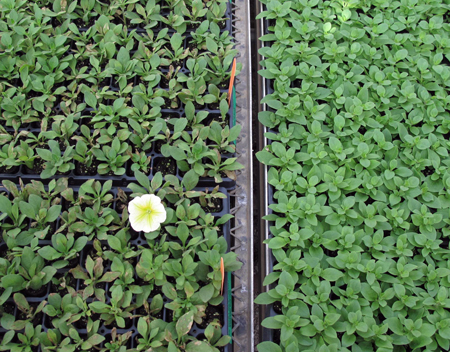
[135, 205]
[160, 216]
[158, 208]
[139, 220]
[154, 201]
[153, 224]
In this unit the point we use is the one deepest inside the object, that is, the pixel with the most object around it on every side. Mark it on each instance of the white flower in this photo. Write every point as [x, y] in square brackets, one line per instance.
[146, 213]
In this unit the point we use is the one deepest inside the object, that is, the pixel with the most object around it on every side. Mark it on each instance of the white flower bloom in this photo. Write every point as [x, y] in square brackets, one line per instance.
[146, 213]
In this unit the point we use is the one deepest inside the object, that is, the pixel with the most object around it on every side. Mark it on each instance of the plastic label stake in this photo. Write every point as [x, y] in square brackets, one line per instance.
[230, 88]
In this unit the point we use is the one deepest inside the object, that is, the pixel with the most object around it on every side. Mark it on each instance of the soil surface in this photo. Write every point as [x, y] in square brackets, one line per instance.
[166, 166]
[212, 313]
[84, 170]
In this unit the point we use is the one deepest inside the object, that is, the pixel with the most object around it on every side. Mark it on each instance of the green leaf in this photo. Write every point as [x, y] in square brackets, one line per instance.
[169, 291]
[333, 219]
[123, 56]
[27, 209]
[176, 41]
[177, 153]
[90, 99]
[198, 346]
[142, 179]
[331, 274]
[142, 327]
[49, 253]
[211, 45]
[184, 324]
[278, 242]
[14, 281]
[271, 323]
[401, 54]
[335, 144]
[206, 293]
[5, 205]
[268, 346]
[264, 157]
[395, 325]
[80, 243]
[223, 341]
[53, 213]
[3, 297]
[190, 180]
[114, 243]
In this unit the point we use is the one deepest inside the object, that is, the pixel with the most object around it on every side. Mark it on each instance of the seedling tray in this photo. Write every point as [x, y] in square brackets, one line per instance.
[138, 240]
[326, 202]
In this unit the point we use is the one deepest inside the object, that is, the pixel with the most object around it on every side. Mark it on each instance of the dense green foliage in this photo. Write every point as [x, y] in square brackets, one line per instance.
[359, 167]
[112, 83]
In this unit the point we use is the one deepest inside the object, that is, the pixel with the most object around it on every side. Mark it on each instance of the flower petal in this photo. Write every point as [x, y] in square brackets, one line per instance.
[136, 204]
[153, 201]
[139, 220]
[159, 217]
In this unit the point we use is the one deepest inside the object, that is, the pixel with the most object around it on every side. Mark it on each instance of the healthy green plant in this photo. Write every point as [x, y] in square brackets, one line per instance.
[27, 341]
[64, 248]
[77, 342]
[118, 310]
[55, 161]
[148, 15]
[149, 267]
[61, 310]
[17, 109]
[107, 114]
[214, 335]
[120, 246]
[95, 221]
[93, 275]
[62, 129]
[151, 333]
[26, 155]
[50, 340]
[93, 192]
[32, 273]
[112, 158]
[8, 157]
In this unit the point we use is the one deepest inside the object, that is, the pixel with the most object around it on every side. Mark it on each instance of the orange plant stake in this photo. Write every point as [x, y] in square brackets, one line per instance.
[230, 88]
[222, 271]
